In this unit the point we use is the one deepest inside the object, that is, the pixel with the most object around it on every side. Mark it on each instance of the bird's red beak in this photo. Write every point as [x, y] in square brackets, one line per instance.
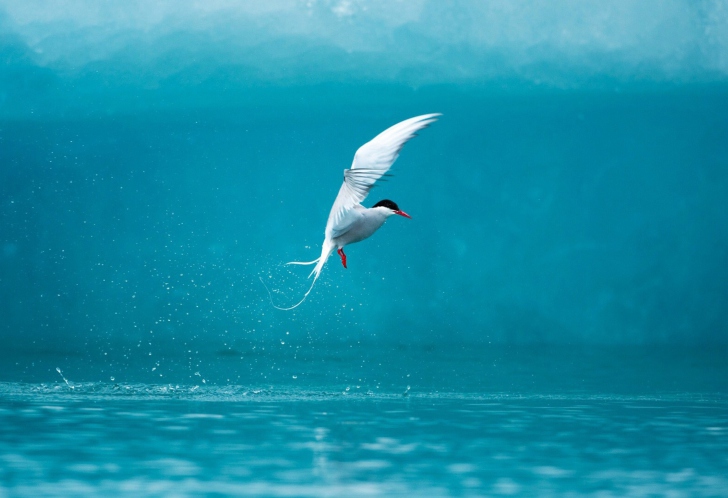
[402, 213]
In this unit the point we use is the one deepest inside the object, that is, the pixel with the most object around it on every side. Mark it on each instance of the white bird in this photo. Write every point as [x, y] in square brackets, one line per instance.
[349, 221]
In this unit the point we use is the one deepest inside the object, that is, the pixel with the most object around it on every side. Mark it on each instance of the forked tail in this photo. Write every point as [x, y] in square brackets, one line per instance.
[326, 251]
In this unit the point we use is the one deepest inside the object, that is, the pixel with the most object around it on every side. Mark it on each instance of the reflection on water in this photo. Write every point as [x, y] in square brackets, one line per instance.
[183, 440]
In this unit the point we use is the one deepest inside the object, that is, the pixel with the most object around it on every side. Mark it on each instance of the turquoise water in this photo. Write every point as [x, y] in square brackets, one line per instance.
[309, 420]
[498, 421]
[551, 321]
[167, 441]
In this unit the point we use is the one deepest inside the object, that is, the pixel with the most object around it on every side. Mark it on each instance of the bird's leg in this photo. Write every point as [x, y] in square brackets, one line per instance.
[343, 256]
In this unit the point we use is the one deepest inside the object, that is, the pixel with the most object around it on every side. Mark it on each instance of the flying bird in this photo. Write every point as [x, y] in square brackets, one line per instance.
[349, 221]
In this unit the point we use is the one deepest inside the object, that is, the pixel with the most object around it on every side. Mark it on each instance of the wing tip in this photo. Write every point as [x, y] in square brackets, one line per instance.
[424, 121]
[430, 118]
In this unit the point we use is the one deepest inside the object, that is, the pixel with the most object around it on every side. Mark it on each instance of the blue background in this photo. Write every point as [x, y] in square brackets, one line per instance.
[155, 161]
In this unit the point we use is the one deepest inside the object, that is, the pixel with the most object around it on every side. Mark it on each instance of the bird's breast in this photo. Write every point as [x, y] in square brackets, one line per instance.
[362, 228]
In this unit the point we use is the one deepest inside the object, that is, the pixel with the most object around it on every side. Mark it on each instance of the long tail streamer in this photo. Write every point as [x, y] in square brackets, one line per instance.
[304, 262]
[270, 296]
[314, 272]
[326, 251]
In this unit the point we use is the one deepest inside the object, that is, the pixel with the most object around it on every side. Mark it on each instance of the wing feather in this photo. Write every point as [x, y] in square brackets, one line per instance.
[371, 162]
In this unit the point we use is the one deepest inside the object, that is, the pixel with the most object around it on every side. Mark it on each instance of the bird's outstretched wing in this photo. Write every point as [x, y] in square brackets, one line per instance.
[371, 161]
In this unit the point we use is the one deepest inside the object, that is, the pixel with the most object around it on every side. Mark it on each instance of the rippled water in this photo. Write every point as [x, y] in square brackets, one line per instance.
[166, 440]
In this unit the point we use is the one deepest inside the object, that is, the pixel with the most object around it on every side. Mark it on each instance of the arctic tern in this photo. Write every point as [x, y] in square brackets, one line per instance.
[349, 221]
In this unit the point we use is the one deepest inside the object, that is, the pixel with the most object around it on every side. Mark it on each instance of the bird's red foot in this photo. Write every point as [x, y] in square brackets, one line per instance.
[343, 256]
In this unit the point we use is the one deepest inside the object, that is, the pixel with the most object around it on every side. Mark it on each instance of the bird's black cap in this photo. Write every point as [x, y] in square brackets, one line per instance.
[387, 204]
